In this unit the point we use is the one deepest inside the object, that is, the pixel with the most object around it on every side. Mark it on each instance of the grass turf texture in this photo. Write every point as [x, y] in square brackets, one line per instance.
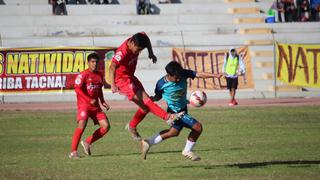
[237, 143]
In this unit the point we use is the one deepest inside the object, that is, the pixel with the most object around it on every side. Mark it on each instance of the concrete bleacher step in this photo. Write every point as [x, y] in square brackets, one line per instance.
[258, 42]
[239, 1]
[255, 31]
[267, 76]
[266, 64]
[249, 10]
[91, 20]
[261, 54]
[248, 20]
[125, 9]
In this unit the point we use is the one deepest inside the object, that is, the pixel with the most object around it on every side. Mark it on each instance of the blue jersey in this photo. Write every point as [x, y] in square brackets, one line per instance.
[175, 94]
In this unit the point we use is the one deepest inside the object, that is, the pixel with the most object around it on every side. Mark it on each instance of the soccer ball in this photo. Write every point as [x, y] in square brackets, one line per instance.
[198, 98]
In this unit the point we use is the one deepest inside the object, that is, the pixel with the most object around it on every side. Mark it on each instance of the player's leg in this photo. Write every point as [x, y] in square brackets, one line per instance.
[196, 130]
[132, 126]
[156, 139]
[82, 123]
[99, 133]
[159, 137]
[235, 86]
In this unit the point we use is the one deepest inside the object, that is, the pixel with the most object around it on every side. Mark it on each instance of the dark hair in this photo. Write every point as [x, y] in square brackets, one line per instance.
[173, 68]
[141, 40]
[93, 56]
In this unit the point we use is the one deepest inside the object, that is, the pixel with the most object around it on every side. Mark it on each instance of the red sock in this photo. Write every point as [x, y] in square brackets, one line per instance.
[155, 109]
[96, 135]
[137, 118]
[76, 138]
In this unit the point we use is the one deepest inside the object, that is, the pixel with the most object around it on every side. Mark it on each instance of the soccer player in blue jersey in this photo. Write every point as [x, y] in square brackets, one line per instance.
[173, 89]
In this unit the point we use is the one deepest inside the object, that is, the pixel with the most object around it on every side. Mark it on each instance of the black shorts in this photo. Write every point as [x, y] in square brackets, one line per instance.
[232, 83]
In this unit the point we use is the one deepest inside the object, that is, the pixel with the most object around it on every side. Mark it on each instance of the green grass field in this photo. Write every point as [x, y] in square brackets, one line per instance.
[237, 143]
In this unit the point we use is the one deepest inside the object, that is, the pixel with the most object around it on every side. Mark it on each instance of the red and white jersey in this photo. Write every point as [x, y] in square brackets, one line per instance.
[88, 86]
[125, 60]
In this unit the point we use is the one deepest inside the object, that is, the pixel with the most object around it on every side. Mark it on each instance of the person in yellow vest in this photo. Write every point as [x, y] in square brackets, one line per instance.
[233, 67]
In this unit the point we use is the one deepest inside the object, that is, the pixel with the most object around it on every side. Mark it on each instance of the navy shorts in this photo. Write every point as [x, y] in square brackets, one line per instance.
[185, 121]
[232, 83]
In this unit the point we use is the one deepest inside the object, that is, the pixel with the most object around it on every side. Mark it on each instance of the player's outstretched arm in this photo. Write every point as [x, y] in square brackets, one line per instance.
[207, 75]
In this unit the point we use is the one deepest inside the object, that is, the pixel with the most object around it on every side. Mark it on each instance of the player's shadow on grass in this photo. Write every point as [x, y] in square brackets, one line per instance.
[174, 151]
[135, 153]
[295, 163]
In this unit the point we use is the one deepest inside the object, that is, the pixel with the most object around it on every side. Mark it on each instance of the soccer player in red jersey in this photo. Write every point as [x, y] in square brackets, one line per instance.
[122, 77]
[88, 87]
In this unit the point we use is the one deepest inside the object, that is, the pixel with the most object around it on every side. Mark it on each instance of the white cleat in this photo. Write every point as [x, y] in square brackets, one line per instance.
[74, 155]
[134, 133]
[190, 155]
[145, 146]
[86, 148]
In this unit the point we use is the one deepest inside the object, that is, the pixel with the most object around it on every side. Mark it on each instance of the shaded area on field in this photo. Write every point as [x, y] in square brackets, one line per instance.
[293, 163]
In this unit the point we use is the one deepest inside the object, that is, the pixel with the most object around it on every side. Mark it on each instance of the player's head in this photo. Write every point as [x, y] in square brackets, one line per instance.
[93, 60]
[138, 42]
[233, 51]
[174, 70]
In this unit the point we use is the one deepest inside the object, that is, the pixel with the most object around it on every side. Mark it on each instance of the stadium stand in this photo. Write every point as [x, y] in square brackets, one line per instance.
[194, 24]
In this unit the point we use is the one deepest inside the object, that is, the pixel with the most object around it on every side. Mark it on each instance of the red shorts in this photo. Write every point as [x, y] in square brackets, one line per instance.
[129, 86]
[96, 116]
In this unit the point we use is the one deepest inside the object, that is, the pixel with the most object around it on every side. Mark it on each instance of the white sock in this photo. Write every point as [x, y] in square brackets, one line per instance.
[156, 139]
[189, 146]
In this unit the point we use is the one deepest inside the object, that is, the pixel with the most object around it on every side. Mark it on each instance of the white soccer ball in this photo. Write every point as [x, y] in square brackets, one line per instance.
[198, 98]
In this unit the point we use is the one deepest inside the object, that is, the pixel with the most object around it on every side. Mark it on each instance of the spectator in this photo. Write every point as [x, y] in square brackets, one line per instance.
[76, 2]
[2, 2]
[99, 2]
[164, 1]
[279, 6]
[289, 11]
[59, 7]
[303, 8]
[315, 9]
[233, 67]
[143, 6]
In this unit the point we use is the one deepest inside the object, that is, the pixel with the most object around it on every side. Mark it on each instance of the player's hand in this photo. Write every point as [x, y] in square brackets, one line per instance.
[153, 57]
[93, 101]
[105, 105]
[114, 89]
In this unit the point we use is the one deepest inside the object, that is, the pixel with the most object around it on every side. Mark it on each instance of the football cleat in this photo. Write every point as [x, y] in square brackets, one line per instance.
[74, 155]
[190, 155]
[145, 146]
[86, 148]
[134, 133]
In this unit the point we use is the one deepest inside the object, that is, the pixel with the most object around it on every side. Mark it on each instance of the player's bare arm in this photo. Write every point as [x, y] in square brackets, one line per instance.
[150, 51]
[102, 101]
[207, 75]
[112, 70]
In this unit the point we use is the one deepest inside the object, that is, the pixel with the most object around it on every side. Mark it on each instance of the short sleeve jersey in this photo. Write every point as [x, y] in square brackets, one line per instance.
[125, 60]
[90, 83]
[175, 94]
